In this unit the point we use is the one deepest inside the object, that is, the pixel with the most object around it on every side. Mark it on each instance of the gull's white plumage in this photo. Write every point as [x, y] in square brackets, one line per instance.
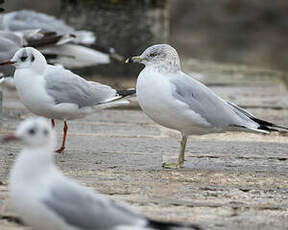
[45, 199]
[34, 176]
[57, 93]
[176, 100]
[46, 90]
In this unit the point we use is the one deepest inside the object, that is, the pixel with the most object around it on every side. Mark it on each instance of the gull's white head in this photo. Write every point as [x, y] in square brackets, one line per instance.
[34, 133]
[27, 58]
[162, 56]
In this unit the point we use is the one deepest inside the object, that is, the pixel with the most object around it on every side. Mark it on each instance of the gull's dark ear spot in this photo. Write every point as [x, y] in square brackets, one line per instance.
[32, 58]
[23, 58]
[32, 131]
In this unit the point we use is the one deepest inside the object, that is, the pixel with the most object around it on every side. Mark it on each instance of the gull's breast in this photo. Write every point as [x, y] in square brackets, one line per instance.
[154, 94]
[31, 90]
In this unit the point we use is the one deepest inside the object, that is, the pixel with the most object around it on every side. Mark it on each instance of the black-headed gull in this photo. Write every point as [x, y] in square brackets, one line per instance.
[46, 199]
[57, 93]
[178, 101]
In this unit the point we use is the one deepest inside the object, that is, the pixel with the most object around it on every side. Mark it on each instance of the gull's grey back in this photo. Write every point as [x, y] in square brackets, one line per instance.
[86, 210]
[205, 102]
[66, 87]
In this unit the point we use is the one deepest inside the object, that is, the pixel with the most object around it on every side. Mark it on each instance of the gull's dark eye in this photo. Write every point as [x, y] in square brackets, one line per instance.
[32, 58]
[45, 132]
[31, 131]
[23, 58]
[153, 54]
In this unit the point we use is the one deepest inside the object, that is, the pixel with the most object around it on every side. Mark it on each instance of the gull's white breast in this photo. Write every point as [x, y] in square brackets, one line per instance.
[31, 90]
[154, 94]
[28, 187]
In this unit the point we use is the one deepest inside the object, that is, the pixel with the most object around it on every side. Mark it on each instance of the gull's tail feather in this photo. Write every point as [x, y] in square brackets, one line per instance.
[39, 39]
[75, 56]
[126, 92]
[84, 37]
[263, 126]
[118, 98]
[158, 225]
[268, 126]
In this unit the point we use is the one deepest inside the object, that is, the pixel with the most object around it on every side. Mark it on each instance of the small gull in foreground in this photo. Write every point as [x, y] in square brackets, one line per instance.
[45, 199]
[57, 93]
[176, 100]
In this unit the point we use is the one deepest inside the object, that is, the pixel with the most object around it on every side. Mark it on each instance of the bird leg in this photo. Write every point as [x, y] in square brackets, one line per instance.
[61, 149]
[52, 123]
[180, 161]
[181, 157]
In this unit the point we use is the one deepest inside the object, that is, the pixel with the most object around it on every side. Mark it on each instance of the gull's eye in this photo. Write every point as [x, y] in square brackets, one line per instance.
[153, 54]
[31, 131]
[45, 132]
[32, 58]
[23, 58]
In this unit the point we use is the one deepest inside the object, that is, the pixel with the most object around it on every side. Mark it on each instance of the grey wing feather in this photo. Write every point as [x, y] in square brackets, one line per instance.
[12, 37]
[66, 87]
[9, 44]
[28, 19]
[84, 209]
[205, 102]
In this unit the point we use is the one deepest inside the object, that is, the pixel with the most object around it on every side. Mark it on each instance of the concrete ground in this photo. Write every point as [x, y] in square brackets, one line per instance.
[230, 180]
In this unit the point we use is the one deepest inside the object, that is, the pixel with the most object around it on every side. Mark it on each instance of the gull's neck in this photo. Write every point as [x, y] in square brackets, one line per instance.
[167, 67]
[32, 163]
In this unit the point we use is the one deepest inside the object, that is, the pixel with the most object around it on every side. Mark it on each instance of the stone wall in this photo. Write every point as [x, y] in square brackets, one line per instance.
[237, 31]
[129, 26]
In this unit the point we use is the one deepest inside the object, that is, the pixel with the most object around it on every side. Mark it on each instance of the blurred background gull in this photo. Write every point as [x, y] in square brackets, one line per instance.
[252, 33]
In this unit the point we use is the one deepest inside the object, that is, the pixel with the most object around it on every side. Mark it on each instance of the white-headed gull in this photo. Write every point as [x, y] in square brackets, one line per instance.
[68, 55]
[57, 93]
[176, 100]
[46, 199]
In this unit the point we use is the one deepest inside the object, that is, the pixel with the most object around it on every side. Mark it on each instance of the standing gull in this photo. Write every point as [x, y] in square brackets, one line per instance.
[57, 93]
[176, 100]
[45, 199]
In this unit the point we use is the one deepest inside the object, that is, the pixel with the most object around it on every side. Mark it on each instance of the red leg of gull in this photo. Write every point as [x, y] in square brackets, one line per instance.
[61, 149]
[53, 123]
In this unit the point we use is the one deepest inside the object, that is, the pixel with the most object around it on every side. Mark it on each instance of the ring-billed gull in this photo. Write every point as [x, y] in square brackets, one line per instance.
[176, 100]
[46, 199]
[57, 93]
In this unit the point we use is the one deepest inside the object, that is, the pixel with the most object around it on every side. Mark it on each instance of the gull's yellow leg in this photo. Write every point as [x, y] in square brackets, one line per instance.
[181, 157]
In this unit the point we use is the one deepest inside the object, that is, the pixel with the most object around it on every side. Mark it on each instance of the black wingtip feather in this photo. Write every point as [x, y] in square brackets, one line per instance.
[267, 126]
[126, 92]
[168, 226]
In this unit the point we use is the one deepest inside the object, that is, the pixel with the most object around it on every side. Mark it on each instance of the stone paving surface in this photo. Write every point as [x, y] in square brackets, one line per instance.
[230, 180]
